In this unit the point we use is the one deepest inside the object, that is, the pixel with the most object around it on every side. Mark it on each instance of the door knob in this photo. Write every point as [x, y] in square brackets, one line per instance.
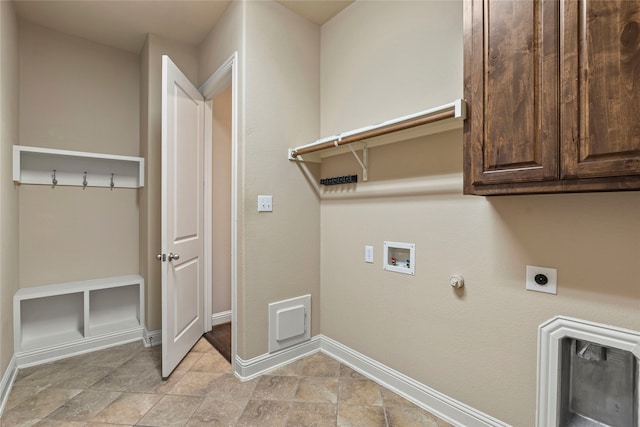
[172, 257]
[160, 257]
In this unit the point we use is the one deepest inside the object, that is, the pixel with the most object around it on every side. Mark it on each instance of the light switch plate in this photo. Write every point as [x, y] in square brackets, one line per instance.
[265, 204]
[368, 254]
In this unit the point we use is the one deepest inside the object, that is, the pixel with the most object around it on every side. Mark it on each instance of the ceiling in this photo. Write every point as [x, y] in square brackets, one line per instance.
[125, 23]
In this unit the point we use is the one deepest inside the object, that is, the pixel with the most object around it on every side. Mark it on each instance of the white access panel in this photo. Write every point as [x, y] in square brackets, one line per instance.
[289, 322]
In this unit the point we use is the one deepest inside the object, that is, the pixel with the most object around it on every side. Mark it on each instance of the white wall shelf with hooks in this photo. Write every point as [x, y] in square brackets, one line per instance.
[46, 166]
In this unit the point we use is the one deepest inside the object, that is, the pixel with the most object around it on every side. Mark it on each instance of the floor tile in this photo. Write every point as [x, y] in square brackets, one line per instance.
[320, 365]
[171, 411]
[189, 360]
[271, 387]
[202, 346]
[264, 413]
[59, 423]
[401, 416]
[193, 384]
[19, 395]
[152, 382]
[290, 369]
[211, 362]
[361, 416]
[317, 389]
[117, 380]
[227, 386]
[109, 358]
[347, 372]
[83, 376]
[45, 376]
[43, 403]
[218, 412]
[312, 414]
[389, 398]
[360, 392]
[84, 405]
[128, 408]
[18, 422]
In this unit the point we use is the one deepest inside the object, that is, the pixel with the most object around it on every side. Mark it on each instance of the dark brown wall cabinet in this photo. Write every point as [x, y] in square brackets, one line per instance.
[553, 90]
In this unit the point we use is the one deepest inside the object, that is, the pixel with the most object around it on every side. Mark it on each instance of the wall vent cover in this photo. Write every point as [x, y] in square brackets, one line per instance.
[289, 322]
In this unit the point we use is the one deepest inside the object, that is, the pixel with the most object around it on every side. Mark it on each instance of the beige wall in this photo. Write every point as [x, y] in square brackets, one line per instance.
[478, 345]
[278, 252]
[83, 96]
[185, 57]
[8, 193]
[281, 250]
[221, 209]
[225, 38]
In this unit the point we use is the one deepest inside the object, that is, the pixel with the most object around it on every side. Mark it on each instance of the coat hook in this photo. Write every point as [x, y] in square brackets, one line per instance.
[54, 180]
[112, 184]
[84, 181]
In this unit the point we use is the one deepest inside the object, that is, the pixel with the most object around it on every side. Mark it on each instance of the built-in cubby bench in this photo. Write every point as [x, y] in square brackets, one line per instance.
[59, 320]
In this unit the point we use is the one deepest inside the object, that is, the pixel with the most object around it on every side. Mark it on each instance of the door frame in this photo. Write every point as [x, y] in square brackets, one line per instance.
[225, 75]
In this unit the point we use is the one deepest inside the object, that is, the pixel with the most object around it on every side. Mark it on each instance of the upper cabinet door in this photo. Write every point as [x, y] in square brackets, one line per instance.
[511, 86]
[600, 74]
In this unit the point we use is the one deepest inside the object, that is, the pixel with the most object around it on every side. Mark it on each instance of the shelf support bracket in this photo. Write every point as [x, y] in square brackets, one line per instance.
[364, 163]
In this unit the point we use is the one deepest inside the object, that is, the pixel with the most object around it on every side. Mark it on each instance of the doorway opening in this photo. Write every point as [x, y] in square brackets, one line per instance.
[220, 258]
[221, 201]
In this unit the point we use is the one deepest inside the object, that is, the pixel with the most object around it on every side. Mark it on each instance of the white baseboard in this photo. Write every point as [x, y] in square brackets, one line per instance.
[151, 338]
[6, 383]
[85, 345]
[220, 318]
[441, 405]
[248, 369]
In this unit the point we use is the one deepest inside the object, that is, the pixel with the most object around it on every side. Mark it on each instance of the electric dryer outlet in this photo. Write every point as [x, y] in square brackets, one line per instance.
[542, 279]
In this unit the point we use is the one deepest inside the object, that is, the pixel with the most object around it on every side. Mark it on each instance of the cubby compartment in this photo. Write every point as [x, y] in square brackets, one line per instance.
[51, 320]
[59, 320]
[114, 309]
[400, 257]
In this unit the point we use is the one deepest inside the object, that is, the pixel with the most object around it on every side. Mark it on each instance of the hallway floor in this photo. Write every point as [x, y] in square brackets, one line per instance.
[122, 386]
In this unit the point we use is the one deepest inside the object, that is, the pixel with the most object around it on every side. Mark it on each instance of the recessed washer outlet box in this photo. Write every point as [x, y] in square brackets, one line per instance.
[400, 257]
[542, 279]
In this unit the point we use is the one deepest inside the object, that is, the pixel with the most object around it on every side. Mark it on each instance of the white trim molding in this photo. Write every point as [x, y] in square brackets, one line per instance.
[6, 383]
[550, 336]
[151, 338]
[227, 74]
[252, 368]
[423, 396]
[221, 317]
[86, 345]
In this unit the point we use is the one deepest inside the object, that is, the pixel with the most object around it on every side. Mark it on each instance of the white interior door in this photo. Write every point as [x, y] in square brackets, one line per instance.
[182, 215]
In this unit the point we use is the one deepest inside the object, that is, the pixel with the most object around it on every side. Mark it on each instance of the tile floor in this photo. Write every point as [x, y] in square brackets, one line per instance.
[122, 386]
